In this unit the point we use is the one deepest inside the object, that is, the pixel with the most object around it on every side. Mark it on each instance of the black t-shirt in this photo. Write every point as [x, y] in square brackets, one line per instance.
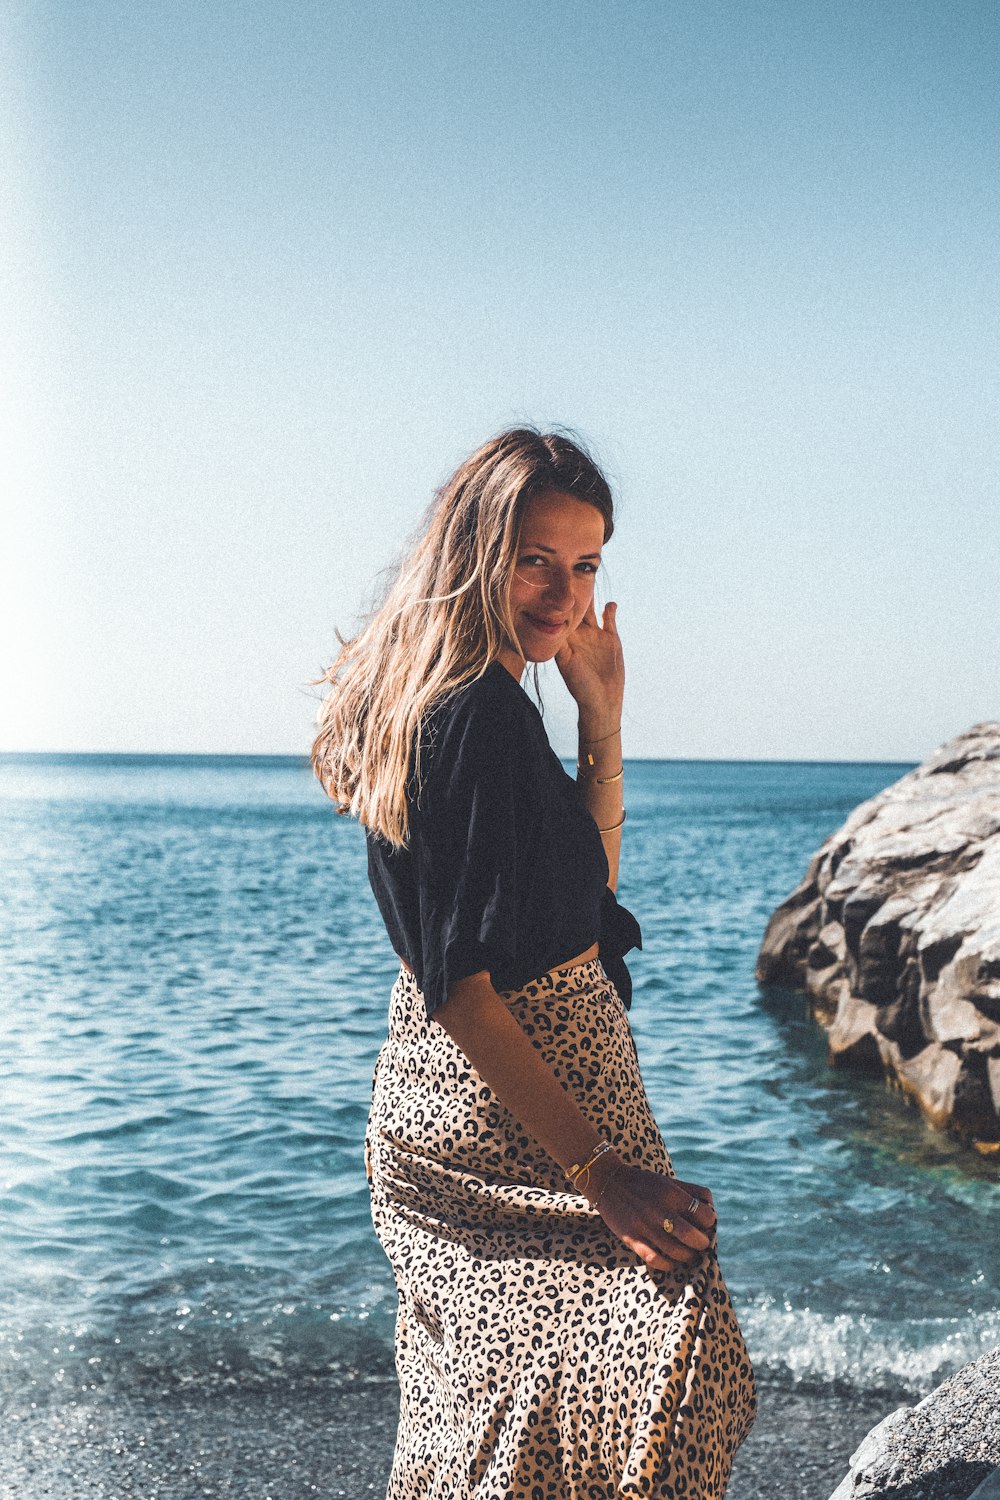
[505, 870]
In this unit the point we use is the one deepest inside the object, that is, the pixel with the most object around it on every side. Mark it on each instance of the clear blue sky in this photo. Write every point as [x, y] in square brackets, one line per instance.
[272, 269]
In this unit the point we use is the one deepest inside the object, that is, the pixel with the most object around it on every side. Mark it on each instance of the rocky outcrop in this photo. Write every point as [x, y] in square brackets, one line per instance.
[894, 935]
[947, 1448]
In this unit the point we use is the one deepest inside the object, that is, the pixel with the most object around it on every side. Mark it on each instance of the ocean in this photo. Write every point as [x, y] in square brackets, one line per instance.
[194, 983]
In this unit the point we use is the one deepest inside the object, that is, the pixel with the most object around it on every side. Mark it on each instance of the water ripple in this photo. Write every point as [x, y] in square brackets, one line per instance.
[194, 982]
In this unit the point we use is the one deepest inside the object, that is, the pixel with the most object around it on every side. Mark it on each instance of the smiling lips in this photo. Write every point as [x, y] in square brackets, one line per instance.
[548, 627]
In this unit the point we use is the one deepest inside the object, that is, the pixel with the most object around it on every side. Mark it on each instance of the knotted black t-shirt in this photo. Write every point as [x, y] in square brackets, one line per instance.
[505, 870]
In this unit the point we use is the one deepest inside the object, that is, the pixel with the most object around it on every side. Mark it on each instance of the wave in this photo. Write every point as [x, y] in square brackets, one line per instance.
[790, 1348]
[861, 1351]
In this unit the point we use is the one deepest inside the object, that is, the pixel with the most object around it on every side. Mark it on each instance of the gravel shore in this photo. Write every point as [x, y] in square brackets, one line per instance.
[299, 1441]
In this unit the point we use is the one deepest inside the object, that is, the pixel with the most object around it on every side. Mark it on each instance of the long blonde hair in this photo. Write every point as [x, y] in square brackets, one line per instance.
[444, 618]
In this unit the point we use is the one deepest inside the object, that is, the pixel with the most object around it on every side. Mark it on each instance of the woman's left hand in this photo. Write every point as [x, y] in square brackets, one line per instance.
[593, 668]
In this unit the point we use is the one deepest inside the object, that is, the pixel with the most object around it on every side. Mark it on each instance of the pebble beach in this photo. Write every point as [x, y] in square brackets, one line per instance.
[305, 1441]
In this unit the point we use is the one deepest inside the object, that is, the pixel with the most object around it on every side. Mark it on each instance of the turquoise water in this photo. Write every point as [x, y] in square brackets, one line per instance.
[194, 983]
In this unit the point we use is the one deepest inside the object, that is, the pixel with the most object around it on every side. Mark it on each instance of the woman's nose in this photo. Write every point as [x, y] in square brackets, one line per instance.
[560, 586]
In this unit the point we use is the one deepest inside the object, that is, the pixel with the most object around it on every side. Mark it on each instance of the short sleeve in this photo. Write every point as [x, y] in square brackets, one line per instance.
[466, 847]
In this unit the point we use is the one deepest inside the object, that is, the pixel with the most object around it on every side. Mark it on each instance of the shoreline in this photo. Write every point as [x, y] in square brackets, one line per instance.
[301, 1440]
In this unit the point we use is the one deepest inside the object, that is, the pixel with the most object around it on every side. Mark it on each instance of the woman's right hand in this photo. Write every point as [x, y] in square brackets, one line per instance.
[634, 1203]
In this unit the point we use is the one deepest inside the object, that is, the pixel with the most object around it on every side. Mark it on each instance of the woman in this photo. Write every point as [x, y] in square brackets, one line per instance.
[563, 1329]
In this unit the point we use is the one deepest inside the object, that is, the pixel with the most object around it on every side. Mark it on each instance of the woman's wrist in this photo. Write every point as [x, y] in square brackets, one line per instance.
[600, 750]
[612, 1174]
[597, 728]
[604, 1169]
[579, 1174]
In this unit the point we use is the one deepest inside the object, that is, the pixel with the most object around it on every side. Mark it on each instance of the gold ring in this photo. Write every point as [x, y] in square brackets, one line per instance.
[668, 1225]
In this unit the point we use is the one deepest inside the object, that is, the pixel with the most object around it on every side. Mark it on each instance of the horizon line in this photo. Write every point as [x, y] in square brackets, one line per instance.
[291, 758]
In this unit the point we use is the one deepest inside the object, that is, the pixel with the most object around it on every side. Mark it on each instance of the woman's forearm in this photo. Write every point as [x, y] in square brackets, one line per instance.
[665, 1221]
[599, 762]
[507, 1060]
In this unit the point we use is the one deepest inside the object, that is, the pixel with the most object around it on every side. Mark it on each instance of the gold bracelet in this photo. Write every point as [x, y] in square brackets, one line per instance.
[612, 826]
[603, 737]
[574, 1171]
[577, 1170]
[607, 1183]
[602, 780]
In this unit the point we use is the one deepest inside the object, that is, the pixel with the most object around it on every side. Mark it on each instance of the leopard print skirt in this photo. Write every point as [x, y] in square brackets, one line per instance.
[538, 1357]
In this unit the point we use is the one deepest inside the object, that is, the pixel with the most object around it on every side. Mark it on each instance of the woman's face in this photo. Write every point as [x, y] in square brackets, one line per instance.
[552, 586]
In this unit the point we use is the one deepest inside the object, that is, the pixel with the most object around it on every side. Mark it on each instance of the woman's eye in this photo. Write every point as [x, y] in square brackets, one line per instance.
[532, 559]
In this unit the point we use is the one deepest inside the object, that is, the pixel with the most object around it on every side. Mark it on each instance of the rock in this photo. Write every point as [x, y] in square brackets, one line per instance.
[894, 936]
[947, 1448]
[875, 1451]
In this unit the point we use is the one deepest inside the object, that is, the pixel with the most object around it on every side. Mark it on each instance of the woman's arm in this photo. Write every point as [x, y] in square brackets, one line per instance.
[593, 669]
[600, 774]
[633, 1202]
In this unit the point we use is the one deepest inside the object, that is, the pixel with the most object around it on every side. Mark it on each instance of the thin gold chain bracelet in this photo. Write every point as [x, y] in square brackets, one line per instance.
[608, 1181]
[603, 737]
